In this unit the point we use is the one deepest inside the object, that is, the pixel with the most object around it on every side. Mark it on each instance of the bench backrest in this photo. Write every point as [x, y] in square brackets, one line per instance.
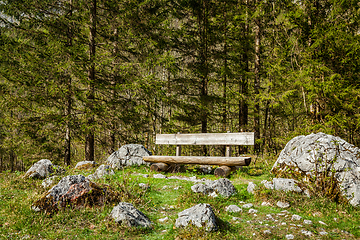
[240, 138]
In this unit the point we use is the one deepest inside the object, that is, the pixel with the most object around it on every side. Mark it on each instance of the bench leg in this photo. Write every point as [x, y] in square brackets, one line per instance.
[224, 171]
[159, 167]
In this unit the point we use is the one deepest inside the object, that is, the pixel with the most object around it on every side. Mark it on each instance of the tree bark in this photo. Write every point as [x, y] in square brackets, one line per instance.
[257, 84]
[90, 139]
[67, 155]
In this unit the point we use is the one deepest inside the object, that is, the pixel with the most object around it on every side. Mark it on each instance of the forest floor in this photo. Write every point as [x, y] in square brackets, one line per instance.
[166, 198]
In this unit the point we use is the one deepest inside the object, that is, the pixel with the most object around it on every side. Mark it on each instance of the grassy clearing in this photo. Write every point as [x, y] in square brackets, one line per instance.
[18, 221]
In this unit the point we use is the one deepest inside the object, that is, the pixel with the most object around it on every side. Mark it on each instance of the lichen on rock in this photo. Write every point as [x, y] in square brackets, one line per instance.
[75, 191]
[323, 164]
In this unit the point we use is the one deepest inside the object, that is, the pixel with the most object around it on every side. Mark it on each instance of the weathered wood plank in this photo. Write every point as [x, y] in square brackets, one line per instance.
[241, 138]
[226, 161]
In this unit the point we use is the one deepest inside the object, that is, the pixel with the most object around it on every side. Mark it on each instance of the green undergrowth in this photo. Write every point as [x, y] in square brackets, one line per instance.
[166, 198]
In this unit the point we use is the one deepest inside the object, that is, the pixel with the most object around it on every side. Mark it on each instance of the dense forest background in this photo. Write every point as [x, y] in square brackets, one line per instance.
[79, 78]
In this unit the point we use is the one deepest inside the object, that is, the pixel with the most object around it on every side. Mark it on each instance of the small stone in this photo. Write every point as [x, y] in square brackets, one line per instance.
[323, 233]
[248, 205]
[282, 204]
[126, 213]
[296, 217]
[335, 219]
[267, 232]
[145, 175]
[164, 231]
[266, 204]
[177, 188]
[233, 208]
[285, 211]
[163, 219]
[236, 219]
[213, 194]
[322, 223]
[307, 233]
[144, 186]
[289, 236]
[159, 176]
[200, 215]
[309, 222]
[165, 187]
[283, 223]
[251, 187]
[299, 225]
[269, 217]
[251, 210]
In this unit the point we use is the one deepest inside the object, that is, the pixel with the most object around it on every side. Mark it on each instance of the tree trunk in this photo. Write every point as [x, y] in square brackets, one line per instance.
[257, 84]
[67, 155]
[203, 32]
[90, 139]
[243, 85]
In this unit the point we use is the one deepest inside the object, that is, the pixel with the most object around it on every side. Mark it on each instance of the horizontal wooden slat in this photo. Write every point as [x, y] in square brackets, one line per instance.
[241, 138]
[226, 161]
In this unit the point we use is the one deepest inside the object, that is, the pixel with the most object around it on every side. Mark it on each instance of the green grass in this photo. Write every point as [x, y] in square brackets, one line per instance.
[18, 221]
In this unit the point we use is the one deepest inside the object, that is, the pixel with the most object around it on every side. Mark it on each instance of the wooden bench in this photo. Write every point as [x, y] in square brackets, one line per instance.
[227, 164]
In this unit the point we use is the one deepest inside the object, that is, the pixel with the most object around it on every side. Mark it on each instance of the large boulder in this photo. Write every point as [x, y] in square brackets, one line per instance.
[128, 155]
[323, 163]
[40, 169]
[126, 213]
[222, 186]
[199, 215]
[74, 191]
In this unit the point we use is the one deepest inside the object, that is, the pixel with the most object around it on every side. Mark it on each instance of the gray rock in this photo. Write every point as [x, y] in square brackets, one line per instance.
[289, 236]
[267, 204]
[163, 219]
[102, 171]
[323, 233]
[128, 155]
[282, 184]
[322, 223]
[47, 182]
[268, 184]
[307, 233]
[159, 176]
[248, 205]
[73, 190]
[285, 184]
[233, 208]
[200, 215]
[144, 186]
[319, 153]
[296, 217]
[251, 187]
[40, 169]
[267, 232]
[282, 204]
[222, 187]
[85, 165]
[126, 213]
[251, 210]
[309, 222]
